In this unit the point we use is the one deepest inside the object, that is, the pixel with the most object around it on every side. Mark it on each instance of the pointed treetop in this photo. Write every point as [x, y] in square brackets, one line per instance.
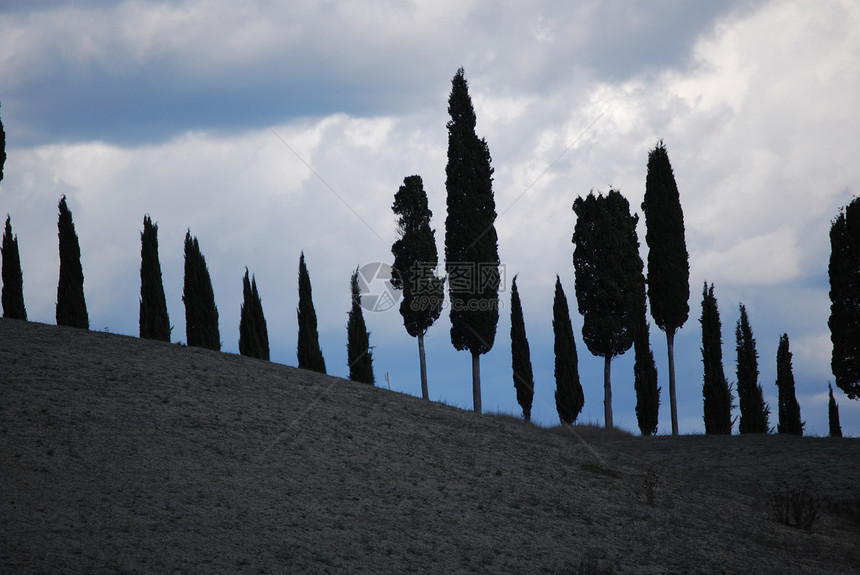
[460, 104]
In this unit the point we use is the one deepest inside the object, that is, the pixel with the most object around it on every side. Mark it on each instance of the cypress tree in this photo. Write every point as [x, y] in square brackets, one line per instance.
[833, 415]
[201, 313]
[2, 149]
[715, 390]
[645, 380]
[154, 321]
[609, 281]
[569, 398]
[13, 279]
[520, 355]
[308, 349]
[789, 410]
[415, 262]
[71, 305]
[668, 261]
[471, 243]
[253, 333]
[358, 354]
[844, 322]
[754, 411]
[645, 370]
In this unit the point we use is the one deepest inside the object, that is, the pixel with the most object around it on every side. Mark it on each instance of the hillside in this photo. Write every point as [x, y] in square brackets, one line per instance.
[127, 456]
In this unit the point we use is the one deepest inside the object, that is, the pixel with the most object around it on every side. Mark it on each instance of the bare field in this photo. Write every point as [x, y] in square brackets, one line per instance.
[126, 456]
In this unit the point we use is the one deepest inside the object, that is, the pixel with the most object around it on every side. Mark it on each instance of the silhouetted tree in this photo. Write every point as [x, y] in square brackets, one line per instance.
[645, 381]
[154, 321]
[13, 278]
[754, 411]
[201, 314]
[833, 415]
[609, 281]
[359, 357]
[520, 355]
[253, 332]
[668, 262]
[644, 369]
[471, 243]
[789, 410]
[2, 149]
[308, 348]
[844, 320]
[71, 305]
[569, 398]
[715, 390]
[415, 262]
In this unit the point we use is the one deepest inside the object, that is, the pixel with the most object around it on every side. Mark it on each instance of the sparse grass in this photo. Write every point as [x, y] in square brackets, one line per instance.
[590, 564]
[848, 508]
[600, 469]
[591, 430]
[584, 430]
[509, 417]
[649, 485]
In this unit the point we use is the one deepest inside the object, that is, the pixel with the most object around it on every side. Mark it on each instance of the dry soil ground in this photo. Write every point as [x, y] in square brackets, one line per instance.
[125, 456]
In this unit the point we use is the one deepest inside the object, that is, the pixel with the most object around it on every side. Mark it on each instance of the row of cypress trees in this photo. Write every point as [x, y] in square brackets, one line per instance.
[201, 312]
[754, 412]
[606, 256]
[610, 289]
[71, 309]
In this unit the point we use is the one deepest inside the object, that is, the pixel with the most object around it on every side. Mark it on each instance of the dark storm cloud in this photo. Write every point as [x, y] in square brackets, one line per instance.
[142, 73]
[152, 107]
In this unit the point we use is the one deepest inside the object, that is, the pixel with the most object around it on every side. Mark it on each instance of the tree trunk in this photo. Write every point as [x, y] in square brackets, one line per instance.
[424, 392]
[476, 382]
[607, 392]
[670, 345]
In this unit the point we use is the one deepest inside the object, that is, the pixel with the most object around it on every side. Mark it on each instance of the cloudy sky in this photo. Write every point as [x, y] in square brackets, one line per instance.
[269, 128]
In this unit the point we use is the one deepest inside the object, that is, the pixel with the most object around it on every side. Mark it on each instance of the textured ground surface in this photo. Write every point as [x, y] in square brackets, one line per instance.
[126, 456]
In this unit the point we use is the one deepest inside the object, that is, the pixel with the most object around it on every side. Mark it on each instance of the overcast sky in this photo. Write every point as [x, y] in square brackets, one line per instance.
[270, 128]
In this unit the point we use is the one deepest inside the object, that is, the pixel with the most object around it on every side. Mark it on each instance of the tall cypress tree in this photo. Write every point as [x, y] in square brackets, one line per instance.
[645, 380]
[13, 279]
[308, 349]
[789, 410]
[715, 390]
[569, 398]
[415, 262]
[754, 411]
[645, 370]
[668, 261]
[253, 332]
[201, 313]
[154, 321]
[609, 281]
[520, 355]
[844, 322]
[358, 354]
[71, 305]
[833, 415]
[471, 243]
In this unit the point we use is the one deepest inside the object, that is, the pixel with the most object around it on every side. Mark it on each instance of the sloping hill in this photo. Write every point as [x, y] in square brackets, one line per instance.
[126, 456]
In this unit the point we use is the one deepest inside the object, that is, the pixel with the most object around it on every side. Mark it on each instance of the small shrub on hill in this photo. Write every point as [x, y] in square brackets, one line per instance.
[796, 507]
